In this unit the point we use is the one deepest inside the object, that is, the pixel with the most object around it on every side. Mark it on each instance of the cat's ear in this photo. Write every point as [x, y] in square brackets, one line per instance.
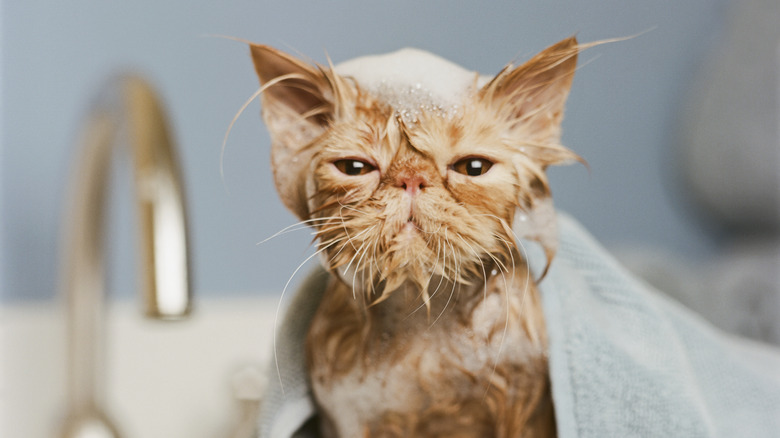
[530, 100]
[531, 97]
[298, 103]
[293, 85]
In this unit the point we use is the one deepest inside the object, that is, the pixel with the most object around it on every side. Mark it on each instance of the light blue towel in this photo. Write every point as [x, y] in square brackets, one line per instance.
[625, 361]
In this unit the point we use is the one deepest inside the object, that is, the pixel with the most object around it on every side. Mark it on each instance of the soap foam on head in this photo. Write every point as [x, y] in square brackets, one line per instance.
[413, 81]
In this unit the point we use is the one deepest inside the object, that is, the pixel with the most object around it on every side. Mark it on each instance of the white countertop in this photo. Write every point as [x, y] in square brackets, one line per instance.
[165, 379]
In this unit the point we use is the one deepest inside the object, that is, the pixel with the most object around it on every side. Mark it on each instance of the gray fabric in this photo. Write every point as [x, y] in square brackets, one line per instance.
[625, 361]
[287, 402]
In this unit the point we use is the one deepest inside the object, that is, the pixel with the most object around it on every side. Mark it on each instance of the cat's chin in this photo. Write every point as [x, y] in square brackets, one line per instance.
[373, 285]
[409, 230]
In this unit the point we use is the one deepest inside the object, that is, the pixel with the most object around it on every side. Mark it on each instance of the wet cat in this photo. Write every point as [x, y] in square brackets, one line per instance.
[418, 177]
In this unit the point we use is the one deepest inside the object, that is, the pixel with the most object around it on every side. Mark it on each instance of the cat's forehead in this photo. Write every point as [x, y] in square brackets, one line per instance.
[413, 81]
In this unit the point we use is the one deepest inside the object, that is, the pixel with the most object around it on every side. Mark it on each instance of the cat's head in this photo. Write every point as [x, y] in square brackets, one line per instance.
[411, 168]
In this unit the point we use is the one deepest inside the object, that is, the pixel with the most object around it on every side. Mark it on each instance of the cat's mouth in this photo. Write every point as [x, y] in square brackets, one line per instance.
[410, 229]
[410, 225]
[411, 220]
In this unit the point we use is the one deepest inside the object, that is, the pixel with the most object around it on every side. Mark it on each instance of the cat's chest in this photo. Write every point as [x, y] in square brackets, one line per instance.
[437, 364]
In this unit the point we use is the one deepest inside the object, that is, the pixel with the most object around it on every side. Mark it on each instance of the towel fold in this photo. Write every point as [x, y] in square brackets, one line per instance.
[625, 361]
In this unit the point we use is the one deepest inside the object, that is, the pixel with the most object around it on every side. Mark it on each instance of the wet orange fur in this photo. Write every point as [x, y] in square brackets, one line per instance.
[429, 382]
[431, 325]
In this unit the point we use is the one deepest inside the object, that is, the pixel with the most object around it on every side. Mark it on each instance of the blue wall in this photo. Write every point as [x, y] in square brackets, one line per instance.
[622, 114]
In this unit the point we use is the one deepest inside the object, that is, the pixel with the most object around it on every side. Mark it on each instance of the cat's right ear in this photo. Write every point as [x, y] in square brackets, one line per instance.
[297, 105]
[294, 85]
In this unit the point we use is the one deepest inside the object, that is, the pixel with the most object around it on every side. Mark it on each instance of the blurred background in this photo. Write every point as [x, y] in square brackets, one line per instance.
[630, 115]
[622, 117]
[679, 127]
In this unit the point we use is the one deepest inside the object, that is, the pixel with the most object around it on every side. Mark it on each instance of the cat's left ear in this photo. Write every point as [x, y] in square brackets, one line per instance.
[531, 97]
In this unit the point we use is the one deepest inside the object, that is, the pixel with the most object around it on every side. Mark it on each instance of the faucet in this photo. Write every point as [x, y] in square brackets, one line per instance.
[125, 105]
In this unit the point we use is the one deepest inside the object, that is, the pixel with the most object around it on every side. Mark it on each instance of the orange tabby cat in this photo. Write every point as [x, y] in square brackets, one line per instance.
[431, 325]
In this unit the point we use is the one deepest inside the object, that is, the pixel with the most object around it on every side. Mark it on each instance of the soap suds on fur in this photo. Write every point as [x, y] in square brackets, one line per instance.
[413, 81]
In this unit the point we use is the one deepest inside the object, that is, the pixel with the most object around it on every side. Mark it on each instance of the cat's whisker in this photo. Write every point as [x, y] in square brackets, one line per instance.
[363, 271]
[278, 309]
[507, 243]
[449, 299]
[357, 268]
[302, 225]
[441, 279]
[335, 261]
[330, 228]
[455, 269]
[510, 251]
[370, 268]
[435, 265]
[374, 258]
[315, 111]
[351, 208]
[527, 286]
[456, 258]
[499, 265]
[354, 274]
[332, 240]
[357, 251]
[344, 226]
[374, 264]
[522, 248]
[518, 244]
[322, 109]
[430, 233]
[287, 230]
[454, 283]
[254, 96]
[332, 262]
[243, 108]
[503, 333]
[426, 297]
[482, 264]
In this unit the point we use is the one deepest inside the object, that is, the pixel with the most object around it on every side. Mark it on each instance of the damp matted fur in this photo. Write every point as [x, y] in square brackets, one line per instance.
[431, 325]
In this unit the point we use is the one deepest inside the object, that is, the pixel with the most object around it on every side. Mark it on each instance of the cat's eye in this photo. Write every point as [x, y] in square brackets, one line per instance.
[472, 166]
[354, 167]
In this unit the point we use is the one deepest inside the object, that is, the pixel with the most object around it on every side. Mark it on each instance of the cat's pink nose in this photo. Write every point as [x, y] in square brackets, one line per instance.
[412, 184]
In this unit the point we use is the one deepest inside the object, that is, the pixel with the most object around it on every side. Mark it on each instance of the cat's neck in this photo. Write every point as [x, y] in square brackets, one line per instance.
[407, 307]
[347, 331]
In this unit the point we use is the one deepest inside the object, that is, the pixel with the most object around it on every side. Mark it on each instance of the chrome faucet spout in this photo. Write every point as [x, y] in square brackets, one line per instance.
[126, 105]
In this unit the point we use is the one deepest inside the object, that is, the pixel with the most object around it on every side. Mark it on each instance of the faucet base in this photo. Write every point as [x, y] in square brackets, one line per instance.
[91, 424]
